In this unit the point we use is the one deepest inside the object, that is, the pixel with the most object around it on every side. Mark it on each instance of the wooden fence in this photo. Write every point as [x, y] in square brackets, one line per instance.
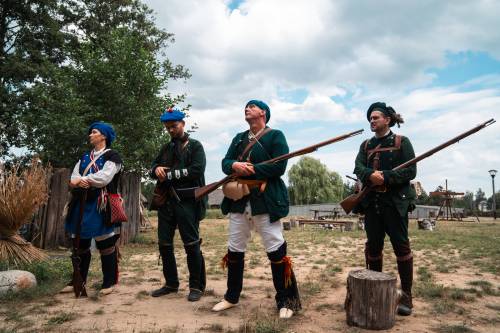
[49, 218]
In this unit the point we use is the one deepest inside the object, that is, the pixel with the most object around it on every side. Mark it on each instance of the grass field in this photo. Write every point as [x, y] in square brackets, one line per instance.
[456, 286]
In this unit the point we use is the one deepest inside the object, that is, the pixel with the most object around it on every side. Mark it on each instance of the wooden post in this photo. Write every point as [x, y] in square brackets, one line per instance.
[371, 299]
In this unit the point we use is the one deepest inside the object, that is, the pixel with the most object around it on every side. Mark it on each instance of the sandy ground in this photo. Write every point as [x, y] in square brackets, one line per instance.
[132, 309]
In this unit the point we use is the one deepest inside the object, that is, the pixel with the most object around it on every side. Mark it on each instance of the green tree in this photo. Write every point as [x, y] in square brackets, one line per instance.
[311, 182]
[480, 196]
[112, 72]
[33, 43]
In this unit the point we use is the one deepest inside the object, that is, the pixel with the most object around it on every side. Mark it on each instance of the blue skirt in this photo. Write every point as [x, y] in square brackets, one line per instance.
[92, 223]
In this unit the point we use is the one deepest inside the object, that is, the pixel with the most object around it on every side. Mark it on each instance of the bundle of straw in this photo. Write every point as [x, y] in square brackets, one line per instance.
[21, 194]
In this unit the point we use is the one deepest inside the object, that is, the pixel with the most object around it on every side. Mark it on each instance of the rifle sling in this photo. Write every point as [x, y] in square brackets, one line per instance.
[252, 142]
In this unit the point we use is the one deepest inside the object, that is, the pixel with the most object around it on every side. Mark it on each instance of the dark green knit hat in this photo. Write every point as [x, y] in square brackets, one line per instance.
[386, 110]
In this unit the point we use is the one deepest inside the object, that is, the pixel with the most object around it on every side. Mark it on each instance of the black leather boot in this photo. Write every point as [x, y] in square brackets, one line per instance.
[405, 270]
[235, 262]
[169, 272]
[197, 275]
[109, 265]
[374, 257]
[287, 293]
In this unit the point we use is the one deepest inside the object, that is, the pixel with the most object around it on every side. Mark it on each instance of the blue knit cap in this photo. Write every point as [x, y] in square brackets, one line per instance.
[171, 114]
[261, 105]
[106, 130]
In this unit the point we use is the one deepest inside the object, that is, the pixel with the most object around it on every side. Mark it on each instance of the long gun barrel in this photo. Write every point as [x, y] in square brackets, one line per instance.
[205, 190]
[351, 201]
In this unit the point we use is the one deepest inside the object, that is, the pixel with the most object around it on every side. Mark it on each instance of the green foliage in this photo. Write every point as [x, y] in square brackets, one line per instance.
[110, 71]
[311, 182]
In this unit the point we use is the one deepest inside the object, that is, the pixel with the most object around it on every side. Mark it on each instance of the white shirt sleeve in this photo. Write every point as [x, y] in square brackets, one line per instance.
[76, 171]
[103, 177]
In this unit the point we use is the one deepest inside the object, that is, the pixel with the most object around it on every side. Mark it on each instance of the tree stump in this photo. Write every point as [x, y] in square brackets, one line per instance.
[371, 299]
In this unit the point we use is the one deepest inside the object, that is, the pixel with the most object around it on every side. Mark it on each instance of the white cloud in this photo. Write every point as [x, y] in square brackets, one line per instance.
[360, 51]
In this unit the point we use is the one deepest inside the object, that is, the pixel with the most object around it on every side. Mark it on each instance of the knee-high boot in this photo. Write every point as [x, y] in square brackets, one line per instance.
[235, 263]
[85, 257]
[374, 256]
[405, 270]
[109, 265]
[196, 266]
[287, 293]
[169, 266]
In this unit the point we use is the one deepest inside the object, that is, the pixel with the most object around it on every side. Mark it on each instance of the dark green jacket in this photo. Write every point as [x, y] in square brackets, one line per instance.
[186, 171]
[400, 193]
[274, 201]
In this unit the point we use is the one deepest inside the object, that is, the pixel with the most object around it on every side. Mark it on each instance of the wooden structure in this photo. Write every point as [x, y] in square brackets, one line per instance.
[371, 299]
[446, 207]
[330, 214]
[344, 225]
[50, 222]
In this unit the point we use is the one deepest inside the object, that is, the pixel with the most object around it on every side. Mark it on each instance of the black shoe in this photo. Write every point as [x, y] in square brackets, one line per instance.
[165, 290]
[405, 304]
[194, 295]
[404, 310]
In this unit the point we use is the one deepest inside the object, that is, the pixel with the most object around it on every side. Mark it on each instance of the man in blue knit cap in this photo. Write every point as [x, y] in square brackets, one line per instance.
[178, 169]
[257, 200]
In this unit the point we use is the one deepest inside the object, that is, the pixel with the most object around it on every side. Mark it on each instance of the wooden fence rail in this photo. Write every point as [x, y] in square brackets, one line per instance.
[49, 218]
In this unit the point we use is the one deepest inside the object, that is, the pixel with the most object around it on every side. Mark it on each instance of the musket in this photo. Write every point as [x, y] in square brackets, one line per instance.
[351, 201]
[205, 190]
[78, 282]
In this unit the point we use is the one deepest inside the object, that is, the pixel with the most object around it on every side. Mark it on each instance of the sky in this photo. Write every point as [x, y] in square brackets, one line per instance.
[319, 64]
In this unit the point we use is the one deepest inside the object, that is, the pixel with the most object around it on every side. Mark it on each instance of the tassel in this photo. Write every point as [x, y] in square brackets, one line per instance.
[224, 261]
[287, 261]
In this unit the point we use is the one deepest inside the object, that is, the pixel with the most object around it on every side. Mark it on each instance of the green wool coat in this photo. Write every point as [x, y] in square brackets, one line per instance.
[399, 192]
[190, 169]
[274, 200]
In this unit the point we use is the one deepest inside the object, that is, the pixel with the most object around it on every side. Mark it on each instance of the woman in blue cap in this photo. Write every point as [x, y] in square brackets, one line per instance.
[97, 172]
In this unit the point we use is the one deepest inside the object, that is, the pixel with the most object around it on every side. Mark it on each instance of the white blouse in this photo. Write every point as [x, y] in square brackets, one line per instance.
[101, 178]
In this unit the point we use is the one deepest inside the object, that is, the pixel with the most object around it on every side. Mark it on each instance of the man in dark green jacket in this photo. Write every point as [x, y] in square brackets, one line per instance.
[260, 205]
[179, 168]
[386, 208]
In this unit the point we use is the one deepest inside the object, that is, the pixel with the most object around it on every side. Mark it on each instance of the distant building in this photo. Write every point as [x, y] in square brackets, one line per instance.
[215, 198]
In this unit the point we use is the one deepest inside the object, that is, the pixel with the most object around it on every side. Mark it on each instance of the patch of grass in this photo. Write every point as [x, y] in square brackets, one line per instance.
[454, 329]
[213, 328]
[324, 306]
[143, 239]
[214, 214]
[423, 274]
[61, 318]
[99, 311]
[486, 287]
[444, 306]
[142, 294]
[51, 276]
[310, 288]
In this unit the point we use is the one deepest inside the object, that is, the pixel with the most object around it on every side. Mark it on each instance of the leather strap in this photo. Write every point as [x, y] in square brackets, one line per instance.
[93, 162]
[252, 142]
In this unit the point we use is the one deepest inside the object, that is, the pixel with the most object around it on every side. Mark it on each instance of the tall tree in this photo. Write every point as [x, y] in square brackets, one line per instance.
[480, 197]
[32, 44]
[114, 70]
[311, 182]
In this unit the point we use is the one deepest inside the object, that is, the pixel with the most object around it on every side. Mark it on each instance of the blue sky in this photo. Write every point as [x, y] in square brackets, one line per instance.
[320, 64]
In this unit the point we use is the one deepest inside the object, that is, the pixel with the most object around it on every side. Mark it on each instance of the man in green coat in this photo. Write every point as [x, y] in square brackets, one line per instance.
[257, 201]
[179, 169]
[386, 208]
